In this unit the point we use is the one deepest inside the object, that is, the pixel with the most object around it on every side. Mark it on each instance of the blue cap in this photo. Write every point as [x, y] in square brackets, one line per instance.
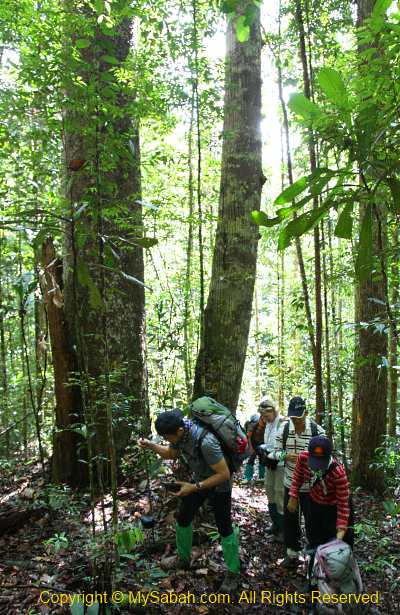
[320, 451]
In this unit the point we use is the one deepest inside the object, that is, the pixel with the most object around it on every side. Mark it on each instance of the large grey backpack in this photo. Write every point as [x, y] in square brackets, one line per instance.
[218, 420]
[335, 571]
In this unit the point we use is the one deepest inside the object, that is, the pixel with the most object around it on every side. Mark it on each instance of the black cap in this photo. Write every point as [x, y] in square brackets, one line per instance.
[297, 407]
[320, 451]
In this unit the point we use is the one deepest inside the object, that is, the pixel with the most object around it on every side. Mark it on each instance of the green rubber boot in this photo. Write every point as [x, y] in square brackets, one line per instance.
[184, 537]
[248, 472]
[230, 549]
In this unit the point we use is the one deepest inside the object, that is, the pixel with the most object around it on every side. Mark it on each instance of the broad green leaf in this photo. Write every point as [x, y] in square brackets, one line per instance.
[394, 185]
[145, 242]
[242, 29]
[93, 609]
[301, 225]
[110, 60]
[344, 226]
[364, 258]
[305, 108]
[380, 7]
[82, 43]
[262, 219]
[292, 191]
[333, 87]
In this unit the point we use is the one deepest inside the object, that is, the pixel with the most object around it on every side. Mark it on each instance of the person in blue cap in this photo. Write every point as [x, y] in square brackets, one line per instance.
[293, 439]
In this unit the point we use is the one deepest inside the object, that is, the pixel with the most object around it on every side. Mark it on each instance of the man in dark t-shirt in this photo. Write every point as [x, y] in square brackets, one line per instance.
[212, 481]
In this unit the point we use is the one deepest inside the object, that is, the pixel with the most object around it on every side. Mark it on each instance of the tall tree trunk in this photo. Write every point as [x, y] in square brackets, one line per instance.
[3, 358]
[187, 318]
[104, 268]
[328, 387]
[393, 350]
[220, 362]
[370, 377]
[319, 393]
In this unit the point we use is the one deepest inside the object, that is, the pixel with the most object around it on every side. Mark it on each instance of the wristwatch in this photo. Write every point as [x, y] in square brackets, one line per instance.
[199, 485]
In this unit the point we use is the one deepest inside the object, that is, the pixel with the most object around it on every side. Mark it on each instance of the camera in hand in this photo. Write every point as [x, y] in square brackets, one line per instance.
[173, 487]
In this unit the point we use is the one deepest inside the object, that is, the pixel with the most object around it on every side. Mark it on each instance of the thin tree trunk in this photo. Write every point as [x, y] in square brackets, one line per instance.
[187, 318]
[336, 299]
[393, 351]
[319, 393]
[3, 357]
[299, 252]
[258, 388]
[327, 340]
[220, 362]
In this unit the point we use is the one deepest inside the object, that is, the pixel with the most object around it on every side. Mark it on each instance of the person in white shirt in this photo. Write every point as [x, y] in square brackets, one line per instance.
[274, 469]
[292, 439]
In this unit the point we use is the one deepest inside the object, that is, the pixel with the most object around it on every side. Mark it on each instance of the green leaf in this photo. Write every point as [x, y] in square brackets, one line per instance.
[292, 191]
[145, 242]
[333, 86]
[301, 225]
[364, 258]
[110, 60]
[82, 43]
[261, 218]
[344, 226]
[380, 7]
[93, 609]
[305, 108]
[242, 29]
[394, 185]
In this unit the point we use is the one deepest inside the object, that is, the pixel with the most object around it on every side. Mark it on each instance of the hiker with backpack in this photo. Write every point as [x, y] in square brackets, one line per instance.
[329, 512]
[328, 525]
[255, 427]
[203, 452]
[293, 439]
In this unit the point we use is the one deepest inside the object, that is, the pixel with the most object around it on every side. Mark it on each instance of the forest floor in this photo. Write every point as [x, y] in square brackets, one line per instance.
[52, 554]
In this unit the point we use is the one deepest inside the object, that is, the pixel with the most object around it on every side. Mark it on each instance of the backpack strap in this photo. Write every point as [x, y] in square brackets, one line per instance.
[314, 428]
[285, 435]
[199, 443]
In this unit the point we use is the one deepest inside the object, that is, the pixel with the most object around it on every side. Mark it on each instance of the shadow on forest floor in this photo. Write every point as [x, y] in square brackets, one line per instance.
[53, 550]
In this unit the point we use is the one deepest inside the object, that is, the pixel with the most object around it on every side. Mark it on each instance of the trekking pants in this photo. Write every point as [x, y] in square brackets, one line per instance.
[274, 487]
[220, 502]
[322, 528]
[322, 525]
[291, 524]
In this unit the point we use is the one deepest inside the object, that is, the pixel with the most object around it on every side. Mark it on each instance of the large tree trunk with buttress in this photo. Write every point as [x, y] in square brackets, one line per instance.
[104, 267]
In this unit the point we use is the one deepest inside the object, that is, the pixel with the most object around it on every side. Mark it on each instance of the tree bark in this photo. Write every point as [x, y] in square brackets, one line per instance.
[65, 465]
[393, 351]
[370, 376]
[221, 358]
[104, 267]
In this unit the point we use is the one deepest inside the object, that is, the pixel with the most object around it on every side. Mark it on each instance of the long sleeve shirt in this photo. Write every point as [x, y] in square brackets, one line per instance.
[295, 443]
[332, 489]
